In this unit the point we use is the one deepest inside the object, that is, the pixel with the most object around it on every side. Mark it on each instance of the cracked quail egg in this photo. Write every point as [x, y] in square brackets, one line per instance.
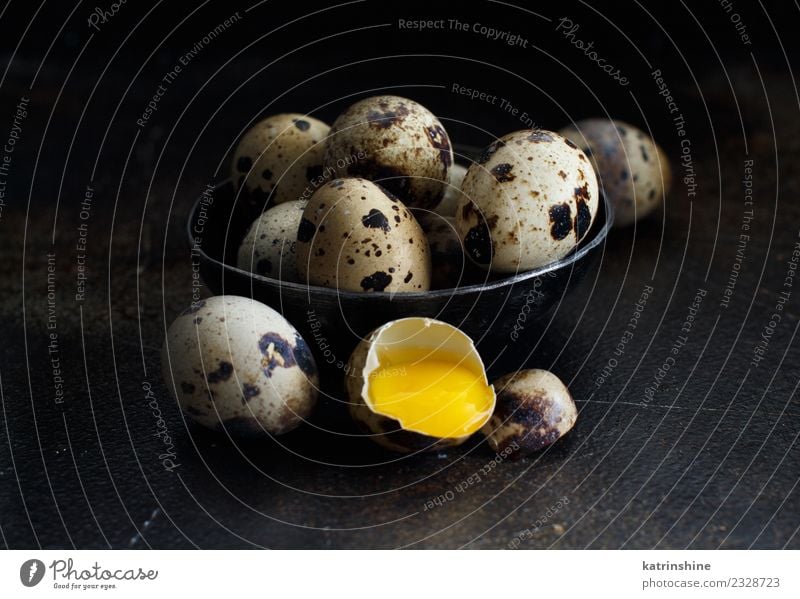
[356, 236]
[528, 201]
[280, 158]
[235, 364]
[634, 172]
[396, 142]
[418, 384]
[269, 247]
[534, 409]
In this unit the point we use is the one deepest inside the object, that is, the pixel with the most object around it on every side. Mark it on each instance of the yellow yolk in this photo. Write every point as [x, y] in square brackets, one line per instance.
[432, 395]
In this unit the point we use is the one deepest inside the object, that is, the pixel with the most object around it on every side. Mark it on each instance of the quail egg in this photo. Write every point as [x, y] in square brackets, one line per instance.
[418, 384]
[634, 172]
[356, 236]
[280, 158]
[534, 409]
[449, 267]
[528, 201]
[268, 248]
[395, 142]
[452, 195]
[235, 364]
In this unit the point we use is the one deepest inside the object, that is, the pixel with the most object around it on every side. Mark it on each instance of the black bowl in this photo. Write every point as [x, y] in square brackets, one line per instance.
[332, 322]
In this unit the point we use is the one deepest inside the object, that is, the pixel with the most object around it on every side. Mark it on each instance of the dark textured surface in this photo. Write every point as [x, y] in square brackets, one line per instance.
[710, 459]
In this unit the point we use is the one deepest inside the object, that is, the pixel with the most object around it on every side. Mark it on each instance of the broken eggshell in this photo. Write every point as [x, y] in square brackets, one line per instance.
[534, 409]
[415, 332]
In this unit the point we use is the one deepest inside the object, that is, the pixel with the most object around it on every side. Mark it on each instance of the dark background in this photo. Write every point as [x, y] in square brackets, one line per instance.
[712, 461]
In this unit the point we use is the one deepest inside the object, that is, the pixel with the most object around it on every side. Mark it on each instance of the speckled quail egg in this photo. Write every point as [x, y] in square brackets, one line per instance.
[269, 247]
[634, 172]
[396, 142]
[280, 158]
[418, 384]
[528, 201]
[453, 193]
[449, 267]
[235, 364]
[534, 409]
[356, 236]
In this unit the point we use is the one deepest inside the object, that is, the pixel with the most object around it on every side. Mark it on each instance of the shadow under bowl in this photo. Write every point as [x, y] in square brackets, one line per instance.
[332, 322]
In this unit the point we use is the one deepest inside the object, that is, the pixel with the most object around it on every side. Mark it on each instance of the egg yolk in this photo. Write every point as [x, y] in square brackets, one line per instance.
[433, 394]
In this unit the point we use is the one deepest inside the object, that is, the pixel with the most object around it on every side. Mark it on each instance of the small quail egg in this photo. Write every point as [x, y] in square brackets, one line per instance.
[452, 195]
[534, 409]
[356, 236]
[528, 201]
[235, 364]
[418, 384]
[634, 172]
[449, 267]
[269, 247]
[280, 158]
[395, 142]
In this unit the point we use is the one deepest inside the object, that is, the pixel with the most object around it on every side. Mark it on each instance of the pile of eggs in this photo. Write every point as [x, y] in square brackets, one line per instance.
[375, 203]
[415, 384]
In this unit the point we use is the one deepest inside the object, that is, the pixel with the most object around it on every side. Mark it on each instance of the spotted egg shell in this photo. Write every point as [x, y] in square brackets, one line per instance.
[235, 364]
[449, 266]
[396, 142]
[269, 247]
[280, 158]
[534, 409]
[356, 236]
[528, 201]
[633, 170]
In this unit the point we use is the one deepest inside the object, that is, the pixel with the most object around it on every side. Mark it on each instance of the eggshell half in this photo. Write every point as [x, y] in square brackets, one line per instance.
[419, 333]
[534, 410]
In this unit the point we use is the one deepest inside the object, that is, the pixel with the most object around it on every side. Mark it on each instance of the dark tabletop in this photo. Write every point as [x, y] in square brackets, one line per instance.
[687, 436]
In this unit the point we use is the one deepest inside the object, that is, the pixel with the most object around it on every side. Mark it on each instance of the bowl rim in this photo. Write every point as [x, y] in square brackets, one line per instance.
[571, 258]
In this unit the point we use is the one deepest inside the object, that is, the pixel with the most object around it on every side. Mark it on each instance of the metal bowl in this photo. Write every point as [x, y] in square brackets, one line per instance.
[332, 322]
